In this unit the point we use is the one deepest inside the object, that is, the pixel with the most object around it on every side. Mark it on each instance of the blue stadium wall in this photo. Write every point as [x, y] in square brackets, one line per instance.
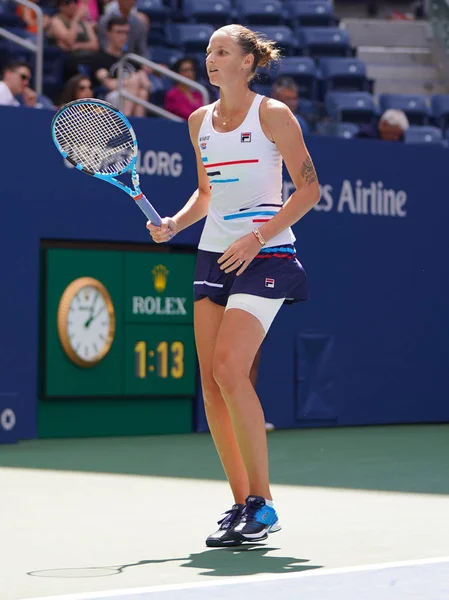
[371, 345]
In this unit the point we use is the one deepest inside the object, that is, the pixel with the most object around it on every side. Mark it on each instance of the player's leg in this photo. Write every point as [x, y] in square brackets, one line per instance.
[208, 317]
[239, 338]
[244, 325]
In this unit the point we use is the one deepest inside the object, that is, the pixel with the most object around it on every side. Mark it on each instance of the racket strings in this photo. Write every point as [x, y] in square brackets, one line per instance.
[95, 137]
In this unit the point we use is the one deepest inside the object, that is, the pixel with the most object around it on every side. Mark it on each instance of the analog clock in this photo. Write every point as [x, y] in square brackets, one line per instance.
[86, 321]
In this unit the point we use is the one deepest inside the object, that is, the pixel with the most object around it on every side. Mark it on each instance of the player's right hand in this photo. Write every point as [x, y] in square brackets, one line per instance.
[164, 232]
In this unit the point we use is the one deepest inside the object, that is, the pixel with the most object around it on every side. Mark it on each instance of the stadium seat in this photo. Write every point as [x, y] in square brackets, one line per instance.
[344, 74]
[281, 34]
[156, 10]
[324, 41]
[311, 13]
[303, 70]
[189, 37]
[214, 12]
[346, 130]
[353, 107]
[440, 110]
[415, 107]
[53, 71]
[423, 135]
[163, 55]
[8, 16]
[260, 12]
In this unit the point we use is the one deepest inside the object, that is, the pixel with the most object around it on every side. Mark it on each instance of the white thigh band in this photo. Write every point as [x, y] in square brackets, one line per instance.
[264, 309]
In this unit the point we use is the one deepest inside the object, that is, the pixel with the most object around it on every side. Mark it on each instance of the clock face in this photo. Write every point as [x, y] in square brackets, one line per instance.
[86, 321]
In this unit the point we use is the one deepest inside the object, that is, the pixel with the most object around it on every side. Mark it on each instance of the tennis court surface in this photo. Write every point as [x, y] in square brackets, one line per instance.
[365, 514]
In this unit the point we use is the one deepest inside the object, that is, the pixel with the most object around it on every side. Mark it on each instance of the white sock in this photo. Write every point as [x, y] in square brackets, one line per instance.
[269, 503]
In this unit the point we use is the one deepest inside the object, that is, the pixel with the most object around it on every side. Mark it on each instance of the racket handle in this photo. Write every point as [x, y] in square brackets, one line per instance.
[148, 210]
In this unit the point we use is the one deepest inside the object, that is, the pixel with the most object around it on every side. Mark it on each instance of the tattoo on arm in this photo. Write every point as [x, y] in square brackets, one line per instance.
[308, 171]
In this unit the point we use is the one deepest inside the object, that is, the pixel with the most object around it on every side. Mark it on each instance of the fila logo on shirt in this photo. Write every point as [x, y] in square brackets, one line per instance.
[245, 137]
[269, 282]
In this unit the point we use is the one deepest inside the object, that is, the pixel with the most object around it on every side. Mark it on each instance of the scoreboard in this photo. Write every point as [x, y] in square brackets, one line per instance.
[117, 323]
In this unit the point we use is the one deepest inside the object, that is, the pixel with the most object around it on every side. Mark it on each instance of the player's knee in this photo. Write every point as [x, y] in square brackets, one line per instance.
[226, 370]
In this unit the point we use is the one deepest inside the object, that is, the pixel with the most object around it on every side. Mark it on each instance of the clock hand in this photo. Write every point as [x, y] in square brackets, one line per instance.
[93, 317]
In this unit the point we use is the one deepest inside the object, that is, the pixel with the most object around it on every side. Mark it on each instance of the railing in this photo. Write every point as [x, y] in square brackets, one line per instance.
[37, 48]
[124, 95]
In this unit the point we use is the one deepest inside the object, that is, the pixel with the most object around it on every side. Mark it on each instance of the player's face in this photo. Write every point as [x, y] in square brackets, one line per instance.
[225, 62]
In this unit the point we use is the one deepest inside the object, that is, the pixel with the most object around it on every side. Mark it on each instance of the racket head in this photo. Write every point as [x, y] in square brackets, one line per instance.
[95, 137]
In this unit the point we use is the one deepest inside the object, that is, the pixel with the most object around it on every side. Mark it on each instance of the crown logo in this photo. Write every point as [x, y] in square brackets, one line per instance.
[160, 273]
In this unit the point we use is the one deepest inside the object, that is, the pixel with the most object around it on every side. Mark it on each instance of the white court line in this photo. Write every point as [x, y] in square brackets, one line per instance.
[136, 592]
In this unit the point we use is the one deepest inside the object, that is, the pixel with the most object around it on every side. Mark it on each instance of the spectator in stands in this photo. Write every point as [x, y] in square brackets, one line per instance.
[112, 7]
[391, 127]
[181, 99]
[78, 87]
[15, 80]
[138, 33]
[285, 90]
[93, 10]
[70, 28]
[73, 33]
[105, 69]
[29, 17]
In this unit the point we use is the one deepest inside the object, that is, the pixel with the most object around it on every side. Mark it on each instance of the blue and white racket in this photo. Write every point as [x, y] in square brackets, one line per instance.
[98, 139]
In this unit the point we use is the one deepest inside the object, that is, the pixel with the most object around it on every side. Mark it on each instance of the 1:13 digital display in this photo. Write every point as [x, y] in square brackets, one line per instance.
[160, 360]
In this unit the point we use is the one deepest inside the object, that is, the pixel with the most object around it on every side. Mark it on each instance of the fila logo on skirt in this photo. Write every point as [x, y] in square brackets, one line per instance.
[269, 282]
[245, 137]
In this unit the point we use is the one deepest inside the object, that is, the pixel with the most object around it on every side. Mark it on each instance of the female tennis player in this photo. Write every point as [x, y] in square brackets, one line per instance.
[246, 265]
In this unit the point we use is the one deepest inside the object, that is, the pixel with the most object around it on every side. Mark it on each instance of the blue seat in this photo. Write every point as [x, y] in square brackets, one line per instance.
[189, 37]
[311, 13]
[214, 12]
[8, 16]
[414, 106]
[156, 10]
[164, 55]
[282, 35]
[303, 70]
[423, 135]
[346, 130]
[353, 107]
[344, 74]
[13, 51]
[440, 110]
[260, 12]
[261, 88]
[324, 41]
[52, 79]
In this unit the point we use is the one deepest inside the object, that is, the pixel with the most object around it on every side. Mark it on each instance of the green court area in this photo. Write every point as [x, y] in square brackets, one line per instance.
[92, 515]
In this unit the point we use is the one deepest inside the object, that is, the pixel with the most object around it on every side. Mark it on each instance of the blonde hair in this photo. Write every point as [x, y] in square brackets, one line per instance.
[251, 42]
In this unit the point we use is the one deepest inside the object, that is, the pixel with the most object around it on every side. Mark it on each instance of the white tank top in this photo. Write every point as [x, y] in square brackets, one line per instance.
[245, 173]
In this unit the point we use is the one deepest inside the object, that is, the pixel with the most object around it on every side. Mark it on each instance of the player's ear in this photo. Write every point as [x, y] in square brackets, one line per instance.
[248, 62]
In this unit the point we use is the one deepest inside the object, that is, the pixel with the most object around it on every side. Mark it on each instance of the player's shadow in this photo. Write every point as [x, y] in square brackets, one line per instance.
[246, 560]
[252, 559]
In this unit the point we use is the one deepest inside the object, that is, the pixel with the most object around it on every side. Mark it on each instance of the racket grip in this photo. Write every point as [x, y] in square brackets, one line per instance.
[148, 210]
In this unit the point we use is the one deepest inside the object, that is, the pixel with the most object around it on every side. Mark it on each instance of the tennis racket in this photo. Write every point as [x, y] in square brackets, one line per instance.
[97, 139]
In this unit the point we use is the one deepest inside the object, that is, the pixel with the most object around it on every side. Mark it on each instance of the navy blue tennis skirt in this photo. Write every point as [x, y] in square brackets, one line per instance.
[274, 273]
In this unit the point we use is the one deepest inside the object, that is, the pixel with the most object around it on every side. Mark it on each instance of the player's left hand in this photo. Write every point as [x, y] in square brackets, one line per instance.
[239, 254]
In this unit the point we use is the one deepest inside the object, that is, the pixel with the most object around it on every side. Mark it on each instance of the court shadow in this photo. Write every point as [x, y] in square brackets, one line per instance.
[253, 559]
[408, 458]
[247, 560]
